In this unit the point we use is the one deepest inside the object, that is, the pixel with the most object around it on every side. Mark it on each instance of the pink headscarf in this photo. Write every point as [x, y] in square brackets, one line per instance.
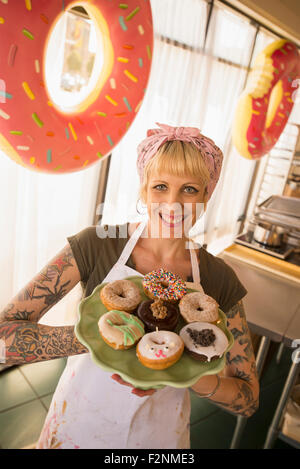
[211, 154]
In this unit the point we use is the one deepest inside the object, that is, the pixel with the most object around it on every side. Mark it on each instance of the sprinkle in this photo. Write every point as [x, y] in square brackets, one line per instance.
[122, 23]
[58, 167]
[276, 70]
[2, 20]
[277, 123]
[49, 155]
[5, 95]
[141, 29]
[128, 46]
[22, 148]
[130, 76]
[49, 103]
[138, 106]
[99, 154]
[32, 160]
[148, 51]
[85, 163]
[27, 33]
[255, 112]
[122, 59]
[283, 51]
[37, 120]
[287, 93]
[37, 65]
[140, 62]
[127, 104]
[290, 100]
[280, 114]
[67, 133]
[120, 114]
[28, 90]
[112, 101]
[90, 140]
[72, 131]
[12, 55]
[28, 4]
[44, 18]
[16, 132]
[132, 14]
[252, 145]
[4, 115]
[50, 134]
[76, 157]
[112, 82]
[124, 6]
[103, 114]
[110, 140]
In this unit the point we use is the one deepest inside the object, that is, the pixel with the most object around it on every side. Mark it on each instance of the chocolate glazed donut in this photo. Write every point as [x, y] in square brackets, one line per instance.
[158, 314]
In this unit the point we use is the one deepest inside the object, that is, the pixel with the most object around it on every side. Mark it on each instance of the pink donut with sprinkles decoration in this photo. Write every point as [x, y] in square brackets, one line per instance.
[267, 101]
[164, 285]
[37, 132]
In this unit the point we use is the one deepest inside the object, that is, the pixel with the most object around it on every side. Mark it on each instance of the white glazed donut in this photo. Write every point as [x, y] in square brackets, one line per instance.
[159, 349]
[197, 306]
[204, 341]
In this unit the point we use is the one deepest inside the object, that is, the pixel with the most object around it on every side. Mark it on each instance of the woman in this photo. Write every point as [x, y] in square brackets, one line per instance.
[179, 169]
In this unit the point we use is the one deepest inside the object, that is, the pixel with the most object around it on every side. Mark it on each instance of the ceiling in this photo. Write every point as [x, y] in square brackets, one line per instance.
[283, 16]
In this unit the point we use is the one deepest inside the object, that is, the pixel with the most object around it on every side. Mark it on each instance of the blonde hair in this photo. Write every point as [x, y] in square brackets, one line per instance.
[176, 158]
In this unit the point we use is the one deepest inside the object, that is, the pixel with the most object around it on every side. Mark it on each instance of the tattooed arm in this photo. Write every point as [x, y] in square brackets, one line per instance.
[26, 341]
[239, 386]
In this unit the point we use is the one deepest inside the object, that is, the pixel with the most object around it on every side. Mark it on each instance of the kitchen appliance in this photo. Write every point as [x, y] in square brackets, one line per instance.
[275, 229]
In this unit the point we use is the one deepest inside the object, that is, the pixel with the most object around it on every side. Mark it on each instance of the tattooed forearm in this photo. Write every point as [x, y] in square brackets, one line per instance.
[44, 291]
[239, 387]
[27, 342]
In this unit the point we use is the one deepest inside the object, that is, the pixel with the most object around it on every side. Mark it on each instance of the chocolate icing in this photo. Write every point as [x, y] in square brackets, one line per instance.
[151, 322]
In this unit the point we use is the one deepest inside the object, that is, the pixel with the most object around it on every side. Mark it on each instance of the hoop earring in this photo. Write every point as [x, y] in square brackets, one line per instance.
[136, 207]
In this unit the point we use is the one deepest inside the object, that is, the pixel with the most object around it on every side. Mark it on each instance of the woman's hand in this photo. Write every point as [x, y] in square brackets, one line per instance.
[136, 391]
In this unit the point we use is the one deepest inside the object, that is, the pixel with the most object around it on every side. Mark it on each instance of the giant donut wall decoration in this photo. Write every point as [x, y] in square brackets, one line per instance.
[265, 105]
[33, 131]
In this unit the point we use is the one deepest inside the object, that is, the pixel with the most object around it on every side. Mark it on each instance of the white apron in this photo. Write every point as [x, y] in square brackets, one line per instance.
[91, 410]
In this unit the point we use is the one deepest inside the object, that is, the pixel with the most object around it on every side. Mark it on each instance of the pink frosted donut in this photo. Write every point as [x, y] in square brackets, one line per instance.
[197, 306]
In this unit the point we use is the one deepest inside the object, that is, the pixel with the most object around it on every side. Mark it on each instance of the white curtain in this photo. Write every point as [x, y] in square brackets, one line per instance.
[37, 212]
[189, 87]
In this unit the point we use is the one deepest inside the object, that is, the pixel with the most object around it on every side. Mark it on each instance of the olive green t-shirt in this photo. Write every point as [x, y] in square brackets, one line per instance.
[95, 256]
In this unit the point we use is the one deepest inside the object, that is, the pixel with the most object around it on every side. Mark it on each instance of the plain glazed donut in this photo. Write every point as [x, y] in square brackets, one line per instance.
[164, 285]
[120, 330]
[122, 295]
[197, 306]
[160, 349]
[204, 341]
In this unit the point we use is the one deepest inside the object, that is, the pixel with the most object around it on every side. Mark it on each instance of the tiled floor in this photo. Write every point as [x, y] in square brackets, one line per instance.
[26, 392]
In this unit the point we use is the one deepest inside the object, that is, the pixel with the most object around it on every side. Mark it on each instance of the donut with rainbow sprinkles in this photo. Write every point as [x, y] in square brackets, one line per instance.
[164, 285]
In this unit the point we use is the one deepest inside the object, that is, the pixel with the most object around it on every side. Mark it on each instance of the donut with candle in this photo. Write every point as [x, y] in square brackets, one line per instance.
[164, 285]
[120, 330]
[36, 130]
[204, 341]
[267, 101]
[160, 349]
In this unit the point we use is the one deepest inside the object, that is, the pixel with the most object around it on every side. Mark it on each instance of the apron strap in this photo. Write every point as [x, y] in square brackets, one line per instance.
[133, 240]
[195, 264]
[131, 243]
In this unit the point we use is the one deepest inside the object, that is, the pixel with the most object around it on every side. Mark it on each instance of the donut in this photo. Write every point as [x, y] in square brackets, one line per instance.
[164, 285]
[266, 103]
[158, 314]
[204, 341]
[36, 131]
[197, 306]
[120, 330]
[160, 349]
[123, 295]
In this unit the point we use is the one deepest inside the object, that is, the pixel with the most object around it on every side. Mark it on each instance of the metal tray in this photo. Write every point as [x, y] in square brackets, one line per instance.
[281, 205]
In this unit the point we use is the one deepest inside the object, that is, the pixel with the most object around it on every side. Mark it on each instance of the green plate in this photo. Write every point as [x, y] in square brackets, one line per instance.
[183, 374]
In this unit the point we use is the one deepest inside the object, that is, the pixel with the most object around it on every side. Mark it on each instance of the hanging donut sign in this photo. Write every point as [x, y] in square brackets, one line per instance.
[66, 113]
[266, 103]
